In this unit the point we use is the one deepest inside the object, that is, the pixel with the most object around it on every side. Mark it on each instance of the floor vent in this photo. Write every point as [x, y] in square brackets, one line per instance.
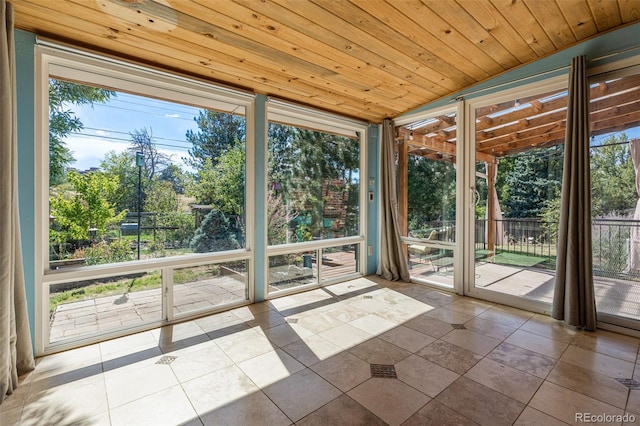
[383, 371]
[367, 297]
[459, 326]
[291, 320]
[166, 360]
[630, 383]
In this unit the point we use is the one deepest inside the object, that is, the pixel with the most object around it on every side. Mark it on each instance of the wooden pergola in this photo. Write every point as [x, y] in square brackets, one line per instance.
[512, 127]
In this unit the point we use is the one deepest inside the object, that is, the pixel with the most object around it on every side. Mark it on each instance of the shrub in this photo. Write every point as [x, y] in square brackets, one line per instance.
[214, 234]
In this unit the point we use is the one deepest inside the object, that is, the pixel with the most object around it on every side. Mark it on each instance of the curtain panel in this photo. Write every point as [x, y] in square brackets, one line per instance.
[393, 263]
[574, 297]
[16, 353]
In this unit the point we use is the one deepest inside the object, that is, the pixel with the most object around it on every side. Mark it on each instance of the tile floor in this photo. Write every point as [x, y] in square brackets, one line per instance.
[306, 359]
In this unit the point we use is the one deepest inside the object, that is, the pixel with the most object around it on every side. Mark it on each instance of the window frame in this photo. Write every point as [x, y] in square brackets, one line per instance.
[282, 112]
[62, 62]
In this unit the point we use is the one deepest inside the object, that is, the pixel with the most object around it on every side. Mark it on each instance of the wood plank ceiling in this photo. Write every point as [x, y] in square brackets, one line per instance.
[368, 59]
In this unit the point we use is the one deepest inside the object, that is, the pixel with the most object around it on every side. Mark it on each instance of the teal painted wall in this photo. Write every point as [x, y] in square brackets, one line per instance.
[25, 76]
[372, 207]
[260, 251]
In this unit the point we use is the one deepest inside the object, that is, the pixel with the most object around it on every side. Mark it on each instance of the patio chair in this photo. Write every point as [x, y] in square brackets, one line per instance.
[423, 250]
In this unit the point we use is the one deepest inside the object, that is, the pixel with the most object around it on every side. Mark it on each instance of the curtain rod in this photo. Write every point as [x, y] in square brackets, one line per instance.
[518, 80]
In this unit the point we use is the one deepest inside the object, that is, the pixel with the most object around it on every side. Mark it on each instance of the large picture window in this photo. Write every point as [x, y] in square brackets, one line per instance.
[143, 201]
[314, 197]
[133, 178]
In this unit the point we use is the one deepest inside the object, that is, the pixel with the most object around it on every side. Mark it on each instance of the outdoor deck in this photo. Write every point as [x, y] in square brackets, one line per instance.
[80, 318]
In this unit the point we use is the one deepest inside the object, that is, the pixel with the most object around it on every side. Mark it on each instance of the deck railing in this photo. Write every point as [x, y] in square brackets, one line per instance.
[534, 242]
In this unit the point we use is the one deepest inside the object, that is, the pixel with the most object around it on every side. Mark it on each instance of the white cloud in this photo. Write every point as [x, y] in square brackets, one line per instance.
[172, 115]
[102, 133]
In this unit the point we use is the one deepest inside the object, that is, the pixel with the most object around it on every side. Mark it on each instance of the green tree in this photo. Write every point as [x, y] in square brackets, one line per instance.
[217, 132]
[431, 191]
[221, 182]
[84, 207]
[613, 185]
[214, 234]
[63, 121]
[526, 182]
[122, 166]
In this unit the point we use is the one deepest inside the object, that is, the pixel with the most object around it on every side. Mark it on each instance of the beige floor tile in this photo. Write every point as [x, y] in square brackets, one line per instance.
[590, 383]
[436, 413]
[341, 411]
[449, 316]
[480, 403]
[285, 334]
[81, 376]
[65, 361]
[368, 305]
[537, 343]
[504, 315]
[116, 363]
[404, 311]
[16, 400]
[318, 322]
[197, 363]
[344, 371]
[406, 338]
[66, 404]
[248, 312]
[600, 363]
[426, 376]
[373, 324]
[301, 393]
[217, 389]
[489, 328]
[217, 321]
[469, 306]
[513, 383]
[469, 340]
[429, 326]
[450, 356]
[270, 367]
[377, 351]
[167, 407]
[633, 402]
[346, 312]
[10, 416]
[390, 399]
[311, 350]
[346, 336]
[523, 359]
[254, 409]
[266, 319]
[565, 404]
[148, 380]
[533, 417]
[245, 345]
[549, 327]
[134, 343]
[608, 343]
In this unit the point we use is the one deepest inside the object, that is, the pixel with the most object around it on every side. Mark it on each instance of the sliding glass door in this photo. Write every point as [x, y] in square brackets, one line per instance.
[427, 195]
[615, 199]
[515, 174]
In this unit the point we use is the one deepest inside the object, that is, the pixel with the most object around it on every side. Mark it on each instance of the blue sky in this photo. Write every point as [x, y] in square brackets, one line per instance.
[107, 127]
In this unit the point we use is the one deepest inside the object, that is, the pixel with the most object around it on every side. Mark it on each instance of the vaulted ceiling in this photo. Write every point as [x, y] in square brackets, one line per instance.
[368, 59]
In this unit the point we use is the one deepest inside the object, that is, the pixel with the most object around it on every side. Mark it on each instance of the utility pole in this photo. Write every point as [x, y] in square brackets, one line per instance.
[140, 164]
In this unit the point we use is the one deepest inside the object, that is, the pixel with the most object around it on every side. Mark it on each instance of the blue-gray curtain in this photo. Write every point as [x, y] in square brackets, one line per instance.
[393, 263]
[574, 297]
[16, 355]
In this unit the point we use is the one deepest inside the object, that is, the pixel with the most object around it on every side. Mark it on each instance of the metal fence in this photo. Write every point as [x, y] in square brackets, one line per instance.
[612, 243]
